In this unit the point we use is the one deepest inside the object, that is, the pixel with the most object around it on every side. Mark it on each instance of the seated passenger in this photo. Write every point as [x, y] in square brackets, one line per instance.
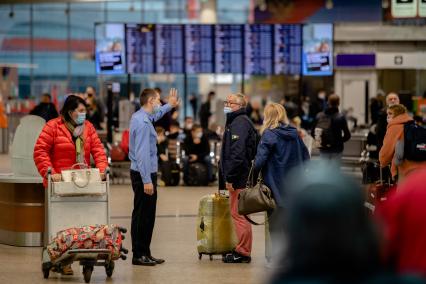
[390, 153]
[175, 131]
[162, 144]
[187, 128]
[197, 150]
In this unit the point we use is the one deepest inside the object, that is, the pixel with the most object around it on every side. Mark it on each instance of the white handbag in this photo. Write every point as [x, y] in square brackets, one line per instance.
[83, 181]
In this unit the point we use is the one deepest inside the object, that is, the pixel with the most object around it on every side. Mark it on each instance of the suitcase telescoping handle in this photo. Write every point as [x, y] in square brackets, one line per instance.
[381, 175]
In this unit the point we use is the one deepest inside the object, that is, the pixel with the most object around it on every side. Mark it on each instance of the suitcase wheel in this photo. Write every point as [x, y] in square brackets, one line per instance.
[200, 256]
[87, 273]
[46, 269]
[46, 273]
[109, 269]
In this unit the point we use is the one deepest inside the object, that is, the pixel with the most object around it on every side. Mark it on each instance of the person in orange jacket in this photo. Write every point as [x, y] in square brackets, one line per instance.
[397, 117]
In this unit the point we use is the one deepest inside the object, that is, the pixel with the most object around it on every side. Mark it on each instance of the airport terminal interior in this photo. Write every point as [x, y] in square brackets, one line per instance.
[212, 141]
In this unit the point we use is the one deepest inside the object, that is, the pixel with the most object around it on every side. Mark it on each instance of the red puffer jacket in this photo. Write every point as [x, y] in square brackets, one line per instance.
[55, 148]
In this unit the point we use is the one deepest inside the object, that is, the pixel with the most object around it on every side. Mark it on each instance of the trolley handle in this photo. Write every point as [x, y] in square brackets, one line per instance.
[107, 173]
[49, 174]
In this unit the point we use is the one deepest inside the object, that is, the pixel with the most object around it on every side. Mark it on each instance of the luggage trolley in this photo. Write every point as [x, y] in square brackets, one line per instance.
[63, 212]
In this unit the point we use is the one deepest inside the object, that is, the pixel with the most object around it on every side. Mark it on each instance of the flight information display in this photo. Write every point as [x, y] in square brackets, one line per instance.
[140, 41]
[258, 49]
[229, 49]
[255, 49]
[169, 49]
[199, 49]
[287, 49]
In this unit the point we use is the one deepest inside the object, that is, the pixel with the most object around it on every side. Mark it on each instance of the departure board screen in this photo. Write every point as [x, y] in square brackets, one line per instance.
[140, 41]
[199, 49]
[229, 49]
[258, 49]
[287, 49]
[169, 49]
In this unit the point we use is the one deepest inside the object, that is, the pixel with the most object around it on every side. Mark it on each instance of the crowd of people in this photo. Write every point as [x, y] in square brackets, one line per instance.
[320, 227]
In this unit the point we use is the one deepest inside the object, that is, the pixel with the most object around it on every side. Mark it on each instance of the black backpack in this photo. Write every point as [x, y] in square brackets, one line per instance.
[254, 139]
[323, 133]
[414, 142]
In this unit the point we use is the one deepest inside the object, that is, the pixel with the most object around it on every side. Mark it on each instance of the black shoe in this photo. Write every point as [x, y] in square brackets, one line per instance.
[143, 261]
[156, 260]
[235, 257]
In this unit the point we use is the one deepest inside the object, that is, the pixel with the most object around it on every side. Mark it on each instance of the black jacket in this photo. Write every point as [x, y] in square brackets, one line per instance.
[201, 150]
[45, 110]
[205, 113]
[382, 125]
[238, 149]
[340, 129]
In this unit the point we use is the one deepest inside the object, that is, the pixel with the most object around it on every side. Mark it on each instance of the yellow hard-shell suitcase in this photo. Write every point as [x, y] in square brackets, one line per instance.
[215, 229]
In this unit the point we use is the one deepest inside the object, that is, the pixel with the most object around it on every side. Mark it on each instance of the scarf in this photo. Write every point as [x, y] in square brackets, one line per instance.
[77, 132]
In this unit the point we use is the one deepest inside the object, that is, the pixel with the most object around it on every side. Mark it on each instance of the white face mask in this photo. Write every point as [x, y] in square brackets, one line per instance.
[199, 135]
[227, 110]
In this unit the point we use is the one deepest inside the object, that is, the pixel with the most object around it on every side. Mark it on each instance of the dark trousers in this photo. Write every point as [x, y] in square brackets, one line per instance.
[143, 215]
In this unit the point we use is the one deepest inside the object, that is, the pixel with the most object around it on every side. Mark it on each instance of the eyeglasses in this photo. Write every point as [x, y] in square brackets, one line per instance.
[226, 103]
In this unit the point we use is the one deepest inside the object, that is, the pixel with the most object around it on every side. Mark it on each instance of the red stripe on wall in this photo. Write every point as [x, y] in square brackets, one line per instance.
[46, 44]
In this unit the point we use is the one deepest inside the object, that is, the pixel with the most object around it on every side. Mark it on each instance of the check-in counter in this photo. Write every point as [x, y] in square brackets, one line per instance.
[21, 210]
[22, 191]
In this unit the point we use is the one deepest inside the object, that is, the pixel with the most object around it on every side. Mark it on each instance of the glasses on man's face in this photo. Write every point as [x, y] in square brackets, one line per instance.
[228, 103]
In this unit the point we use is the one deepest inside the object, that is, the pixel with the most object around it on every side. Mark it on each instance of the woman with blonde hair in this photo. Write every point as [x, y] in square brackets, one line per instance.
[280, 150]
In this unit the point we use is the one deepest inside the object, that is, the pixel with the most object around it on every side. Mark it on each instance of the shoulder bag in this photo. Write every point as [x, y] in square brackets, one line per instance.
[255, 198]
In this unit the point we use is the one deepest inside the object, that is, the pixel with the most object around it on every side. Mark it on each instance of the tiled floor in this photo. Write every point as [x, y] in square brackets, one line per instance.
[174, 239]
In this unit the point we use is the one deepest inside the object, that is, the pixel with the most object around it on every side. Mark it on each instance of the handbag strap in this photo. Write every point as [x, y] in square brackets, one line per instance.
[250, 179]
[252, 222]
[79, 185]
[85, 166]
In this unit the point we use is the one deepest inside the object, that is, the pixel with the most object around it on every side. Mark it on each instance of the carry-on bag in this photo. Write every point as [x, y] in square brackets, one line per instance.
[197, 175]
[87, 237]
[77, 182]
[378, 191]
[170, 173]
[255, 198]
[215, 229]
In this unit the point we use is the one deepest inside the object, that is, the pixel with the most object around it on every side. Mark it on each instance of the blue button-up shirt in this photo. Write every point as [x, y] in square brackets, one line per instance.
[143, 142]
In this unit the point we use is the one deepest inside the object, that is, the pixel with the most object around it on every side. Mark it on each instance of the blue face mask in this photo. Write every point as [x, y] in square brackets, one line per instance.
[80, 118]
[227, 110]
[156, 108]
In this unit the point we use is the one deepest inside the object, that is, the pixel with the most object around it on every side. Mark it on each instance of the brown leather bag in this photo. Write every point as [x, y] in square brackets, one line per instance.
[255, 198]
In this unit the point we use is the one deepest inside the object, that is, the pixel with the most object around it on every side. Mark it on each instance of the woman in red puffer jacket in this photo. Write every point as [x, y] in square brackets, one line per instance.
[67, 140]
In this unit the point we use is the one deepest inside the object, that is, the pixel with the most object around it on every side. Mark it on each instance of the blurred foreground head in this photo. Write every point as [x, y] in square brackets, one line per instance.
[330, 235]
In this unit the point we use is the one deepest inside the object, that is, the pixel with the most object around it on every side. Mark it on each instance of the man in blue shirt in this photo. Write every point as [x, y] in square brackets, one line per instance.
[143, 171]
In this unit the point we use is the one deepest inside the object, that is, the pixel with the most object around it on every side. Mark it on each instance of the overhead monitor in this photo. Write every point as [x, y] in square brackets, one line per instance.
[287, 49]
[317, 57]
[169, 49]
[199, 49]
[258, 53]
[110, 49]
[229, 49]
[140, 41]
